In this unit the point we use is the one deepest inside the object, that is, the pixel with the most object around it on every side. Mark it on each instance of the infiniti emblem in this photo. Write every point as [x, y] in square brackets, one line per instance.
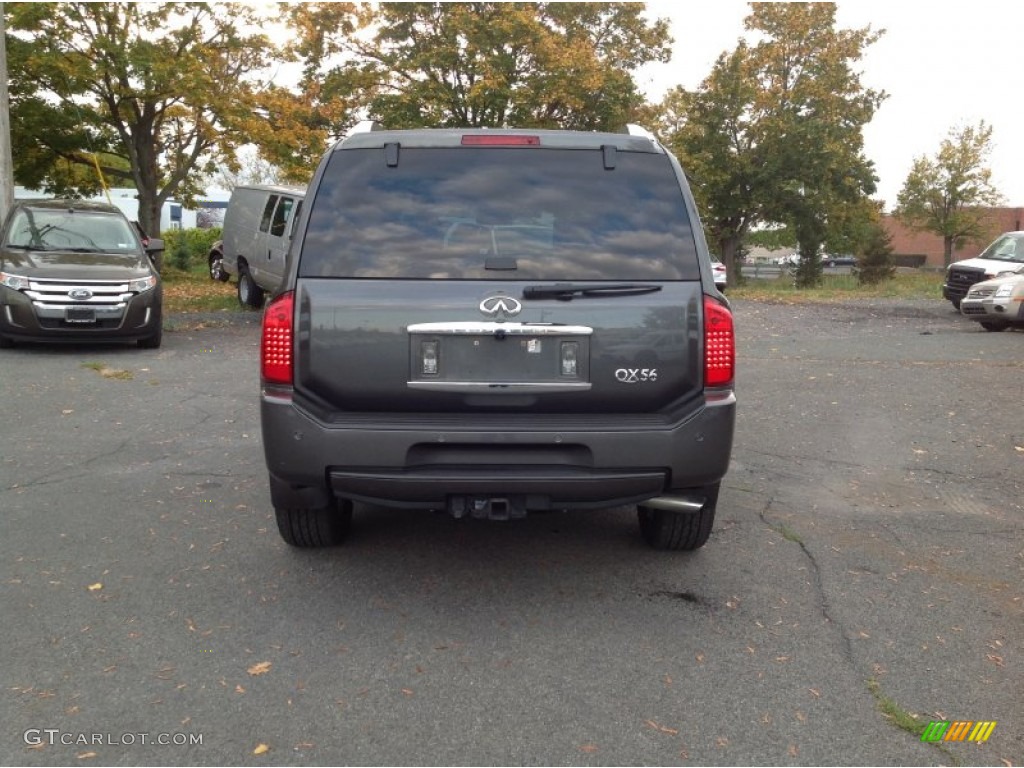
[80, 294]
[506, 305]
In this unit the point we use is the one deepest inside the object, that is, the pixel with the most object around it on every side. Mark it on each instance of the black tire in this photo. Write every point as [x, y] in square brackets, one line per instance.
[250, 295]
[679, 531]
[956, 304]
[154, 340]
[315, 527]
[216, 263]
[994, 327]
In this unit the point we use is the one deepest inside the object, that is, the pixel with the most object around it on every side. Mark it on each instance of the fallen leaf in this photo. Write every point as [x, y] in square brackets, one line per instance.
[260, 669]
[85, 755]
[68, 411]
[407, 691]
[95, 587]
[794, 750]
[261, 749]
[588, 748]
[662, 728]
[816, 693]
[239, 689]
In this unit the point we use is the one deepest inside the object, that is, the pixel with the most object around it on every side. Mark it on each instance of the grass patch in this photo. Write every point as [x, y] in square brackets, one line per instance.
[194, 291]
[789, 534]
[834, 288]
[107, 372]
[896, 714]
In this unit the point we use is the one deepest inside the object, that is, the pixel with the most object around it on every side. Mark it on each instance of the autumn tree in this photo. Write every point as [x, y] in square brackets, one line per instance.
[158, 92]
[714, 132]
[542, 65]
[773, 136]
[301, 120]
[948, 193]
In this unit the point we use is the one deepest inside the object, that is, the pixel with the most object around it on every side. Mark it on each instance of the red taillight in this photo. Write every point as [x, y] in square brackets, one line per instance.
[276, 346]
[499, 140]
[719, 345]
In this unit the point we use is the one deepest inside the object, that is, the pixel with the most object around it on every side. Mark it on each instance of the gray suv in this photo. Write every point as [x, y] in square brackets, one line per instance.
[491, 322]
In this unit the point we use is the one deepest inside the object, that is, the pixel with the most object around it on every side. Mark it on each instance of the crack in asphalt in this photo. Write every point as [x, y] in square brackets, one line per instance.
[845, 644]
[43, 479]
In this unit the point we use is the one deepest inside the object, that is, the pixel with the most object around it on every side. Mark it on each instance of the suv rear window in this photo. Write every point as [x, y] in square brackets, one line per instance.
[508, 213]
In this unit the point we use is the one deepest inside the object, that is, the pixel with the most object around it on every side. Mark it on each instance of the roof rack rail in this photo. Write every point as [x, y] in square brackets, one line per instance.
[365, 126]
[638, 130]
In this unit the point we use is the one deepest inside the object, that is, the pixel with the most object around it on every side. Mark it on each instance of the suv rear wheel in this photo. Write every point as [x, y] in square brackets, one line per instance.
[325, 527]
[686, 531]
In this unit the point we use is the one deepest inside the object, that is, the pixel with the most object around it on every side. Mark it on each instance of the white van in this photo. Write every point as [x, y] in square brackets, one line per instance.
[258, 227]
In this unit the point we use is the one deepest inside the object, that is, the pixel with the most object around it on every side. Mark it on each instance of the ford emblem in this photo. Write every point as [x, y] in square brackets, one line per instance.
[80, 294]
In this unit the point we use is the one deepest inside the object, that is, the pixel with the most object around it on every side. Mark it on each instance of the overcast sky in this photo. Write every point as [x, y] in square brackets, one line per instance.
[942, 65]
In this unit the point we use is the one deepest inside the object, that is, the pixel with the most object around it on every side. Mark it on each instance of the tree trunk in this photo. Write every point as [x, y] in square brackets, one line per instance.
[729, 247]
[947, 250]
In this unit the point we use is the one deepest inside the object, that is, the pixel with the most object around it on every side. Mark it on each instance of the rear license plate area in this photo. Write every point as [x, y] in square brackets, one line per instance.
[500, 359]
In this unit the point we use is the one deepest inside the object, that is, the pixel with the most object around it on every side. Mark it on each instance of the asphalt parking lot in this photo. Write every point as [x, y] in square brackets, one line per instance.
[868, 555]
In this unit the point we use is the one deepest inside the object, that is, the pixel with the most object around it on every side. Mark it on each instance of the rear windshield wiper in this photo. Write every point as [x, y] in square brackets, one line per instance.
[566, 291]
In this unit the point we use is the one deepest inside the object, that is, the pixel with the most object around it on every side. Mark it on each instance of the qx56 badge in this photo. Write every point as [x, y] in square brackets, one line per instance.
[636, 375]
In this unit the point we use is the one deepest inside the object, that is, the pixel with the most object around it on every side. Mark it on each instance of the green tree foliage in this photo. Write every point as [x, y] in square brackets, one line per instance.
[714, 131]
[774, 134]
[874, 262]
[542, 65]
[159, 89]
[190, 246]
[947, 194]
[301, 122]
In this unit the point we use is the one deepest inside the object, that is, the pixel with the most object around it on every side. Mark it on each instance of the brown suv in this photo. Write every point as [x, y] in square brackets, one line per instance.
[72, 270]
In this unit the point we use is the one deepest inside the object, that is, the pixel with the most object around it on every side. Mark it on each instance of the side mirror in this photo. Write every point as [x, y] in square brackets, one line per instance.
[155, 245]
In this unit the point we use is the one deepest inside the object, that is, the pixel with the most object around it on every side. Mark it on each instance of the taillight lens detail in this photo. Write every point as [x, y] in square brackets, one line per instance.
[719, 345]
[276, 346]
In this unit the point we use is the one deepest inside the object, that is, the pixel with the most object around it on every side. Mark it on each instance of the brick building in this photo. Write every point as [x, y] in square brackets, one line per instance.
[906, 241]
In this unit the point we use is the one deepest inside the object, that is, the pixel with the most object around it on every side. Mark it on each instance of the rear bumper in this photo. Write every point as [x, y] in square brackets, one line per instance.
[405, 464]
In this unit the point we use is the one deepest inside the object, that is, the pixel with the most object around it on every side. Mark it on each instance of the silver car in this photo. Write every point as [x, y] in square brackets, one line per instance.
[997, 304]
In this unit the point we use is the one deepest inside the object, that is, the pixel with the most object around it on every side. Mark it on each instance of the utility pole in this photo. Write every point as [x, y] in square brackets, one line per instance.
[6, 161]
